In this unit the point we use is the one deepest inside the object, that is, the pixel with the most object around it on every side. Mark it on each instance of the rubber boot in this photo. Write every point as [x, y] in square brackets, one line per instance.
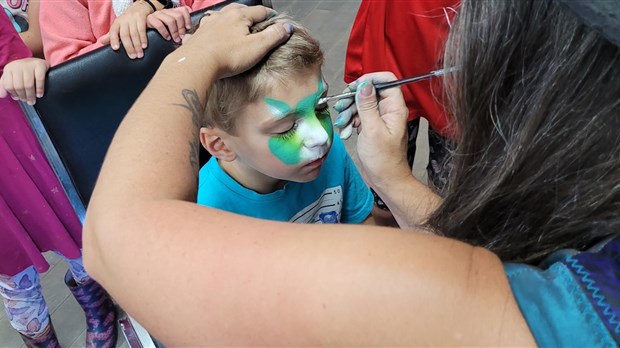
[101, 330]
[47, 339]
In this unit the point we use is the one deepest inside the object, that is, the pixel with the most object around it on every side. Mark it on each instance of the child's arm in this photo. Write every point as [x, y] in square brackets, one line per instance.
[66, 30]
[32, 36]
[80, 26]
[24, 79]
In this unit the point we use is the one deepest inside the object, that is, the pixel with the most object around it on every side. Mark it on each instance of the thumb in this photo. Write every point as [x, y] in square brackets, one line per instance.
[367, 105]
[105, 39]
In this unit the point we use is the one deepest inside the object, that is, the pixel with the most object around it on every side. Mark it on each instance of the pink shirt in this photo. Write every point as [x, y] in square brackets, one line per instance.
[71, 28]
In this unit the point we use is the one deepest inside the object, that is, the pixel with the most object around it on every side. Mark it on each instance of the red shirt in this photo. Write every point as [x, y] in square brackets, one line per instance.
[406, 38]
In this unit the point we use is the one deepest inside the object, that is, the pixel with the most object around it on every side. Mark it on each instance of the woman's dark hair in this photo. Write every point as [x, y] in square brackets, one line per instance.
[537, 112]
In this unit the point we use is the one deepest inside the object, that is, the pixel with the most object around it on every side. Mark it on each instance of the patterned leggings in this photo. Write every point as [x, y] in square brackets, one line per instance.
[23, 300]
[438, 167]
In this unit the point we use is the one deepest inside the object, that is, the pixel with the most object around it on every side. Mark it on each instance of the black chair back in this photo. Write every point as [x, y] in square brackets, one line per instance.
[87, 97]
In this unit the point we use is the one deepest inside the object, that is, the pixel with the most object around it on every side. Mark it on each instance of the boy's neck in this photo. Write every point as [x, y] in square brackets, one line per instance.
[250, 178]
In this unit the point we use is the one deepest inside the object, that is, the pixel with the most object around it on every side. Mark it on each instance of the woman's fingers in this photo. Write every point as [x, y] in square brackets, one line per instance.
[224, 36]
[346, 132]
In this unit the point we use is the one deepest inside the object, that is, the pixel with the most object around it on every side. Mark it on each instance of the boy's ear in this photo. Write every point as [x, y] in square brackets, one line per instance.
[211, 139]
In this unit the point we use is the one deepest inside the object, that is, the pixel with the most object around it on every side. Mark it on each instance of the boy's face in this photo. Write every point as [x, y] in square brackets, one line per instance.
[285, 135]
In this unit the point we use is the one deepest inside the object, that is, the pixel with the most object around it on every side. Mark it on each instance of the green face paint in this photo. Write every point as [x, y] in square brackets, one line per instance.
[310, 126]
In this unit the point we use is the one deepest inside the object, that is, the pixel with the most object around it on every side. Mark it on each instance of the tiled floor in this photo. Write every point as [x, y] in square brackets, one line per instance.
[330, 22]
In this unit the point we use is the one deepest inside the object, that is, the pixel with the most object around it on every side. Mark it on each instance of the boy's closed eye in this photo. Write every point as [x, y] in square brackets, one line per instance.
[290, 130]
[284, 125]
[289, 126]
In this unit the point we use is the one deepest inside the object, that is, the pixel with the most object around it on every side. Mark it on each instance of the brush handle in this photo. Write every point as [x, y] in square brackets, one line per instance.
[384, 85]
[380, 86]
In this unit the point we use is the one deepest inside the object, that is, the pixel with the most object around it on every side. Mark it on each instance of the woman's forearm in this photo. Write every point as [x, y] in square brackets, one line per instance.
[410, 201]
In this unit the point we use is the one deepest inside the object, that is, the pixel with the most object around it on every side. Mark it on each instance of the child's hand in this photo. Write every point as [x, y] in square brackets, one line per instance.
[130, 29]
[173, 21]
[24, 79]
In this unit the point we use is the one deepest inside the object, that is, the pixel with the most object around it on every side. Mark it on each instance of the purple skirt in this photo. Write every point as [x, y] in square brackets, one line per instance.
[35, 214]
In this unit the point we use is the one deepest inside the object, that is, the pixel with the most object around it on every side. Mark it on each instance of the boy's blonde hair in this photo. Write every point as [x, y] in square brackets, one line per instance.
[300, 53]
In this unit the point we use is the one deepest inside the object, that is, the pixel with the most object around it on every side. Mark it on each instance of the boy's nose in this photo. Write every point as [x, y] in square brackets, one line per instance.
[315, 135]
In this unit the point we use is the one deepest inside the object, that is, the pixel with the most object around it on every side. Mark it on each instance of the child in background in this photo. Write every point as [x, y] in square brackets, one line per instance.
[24, 15]
[406, 38]
[270, 143]
[35, 213]
[72, 28]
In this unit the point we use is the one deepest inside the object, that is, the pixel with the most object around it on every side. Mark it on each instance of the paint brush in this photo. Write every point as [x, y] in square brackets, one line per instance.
[390, 84]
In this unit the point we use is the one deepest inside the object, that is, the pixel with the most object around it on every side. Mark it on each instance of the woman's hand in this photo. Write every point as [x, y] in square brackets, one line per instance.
[173, 22]
[381, 123]
[223, 44]
[130, 29]
[24, 79]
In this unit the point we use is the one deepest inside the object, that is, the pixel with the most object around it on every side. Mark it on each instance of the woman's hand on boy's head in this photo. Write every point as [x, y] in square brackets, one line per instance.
[24, 79]
[171, 23]
[225, 44]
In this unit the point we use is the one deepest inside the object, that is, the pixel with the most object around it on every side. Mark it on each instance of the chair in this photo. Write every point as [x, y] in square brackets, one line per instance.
[85, 100]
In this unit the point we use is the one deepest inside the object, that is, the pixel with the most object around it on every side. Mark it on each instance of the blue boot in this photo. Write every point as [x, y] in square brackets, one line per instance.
[101, 330]
[47, 339]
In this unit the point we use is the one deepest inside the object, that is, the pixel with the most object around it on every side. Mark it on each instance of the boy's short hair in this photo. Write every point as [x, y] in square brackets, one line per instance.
[228, 96]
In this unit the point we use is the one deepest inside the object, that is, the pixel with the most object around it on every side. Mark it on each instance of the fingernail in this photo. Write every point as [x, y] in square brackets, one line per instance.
[143, 45]
[140, 55]
[365, 89]
[39, 95]
[132, 56]
[30, 102]
[272, 13]
[338, 121]
[288, 27]
[340, 105]
[115, 47]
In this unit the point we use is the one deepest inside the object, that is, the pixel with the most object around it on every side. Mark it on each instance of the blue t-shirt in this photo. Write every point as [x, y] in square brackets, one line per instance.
[337, 195]
[573, 298]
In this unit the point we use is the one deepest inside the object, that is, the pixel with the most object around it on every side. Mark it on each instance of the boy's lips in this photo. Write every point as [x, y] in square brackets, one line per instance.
[317, 162]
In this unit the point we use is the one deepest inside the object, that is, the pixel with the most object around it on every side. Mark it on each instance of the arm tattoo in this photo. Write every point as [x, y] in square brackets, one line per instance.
[192, 103]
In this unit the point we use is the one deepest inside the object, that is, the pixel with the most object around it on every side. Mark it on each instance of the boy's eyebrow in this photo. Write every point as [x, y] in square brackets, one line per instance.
[282, 110]
[279, 108]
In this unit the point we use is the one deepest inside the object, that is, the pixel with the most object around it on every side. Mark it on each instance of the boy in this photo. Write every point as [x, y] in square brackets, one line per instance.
[270, 143]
